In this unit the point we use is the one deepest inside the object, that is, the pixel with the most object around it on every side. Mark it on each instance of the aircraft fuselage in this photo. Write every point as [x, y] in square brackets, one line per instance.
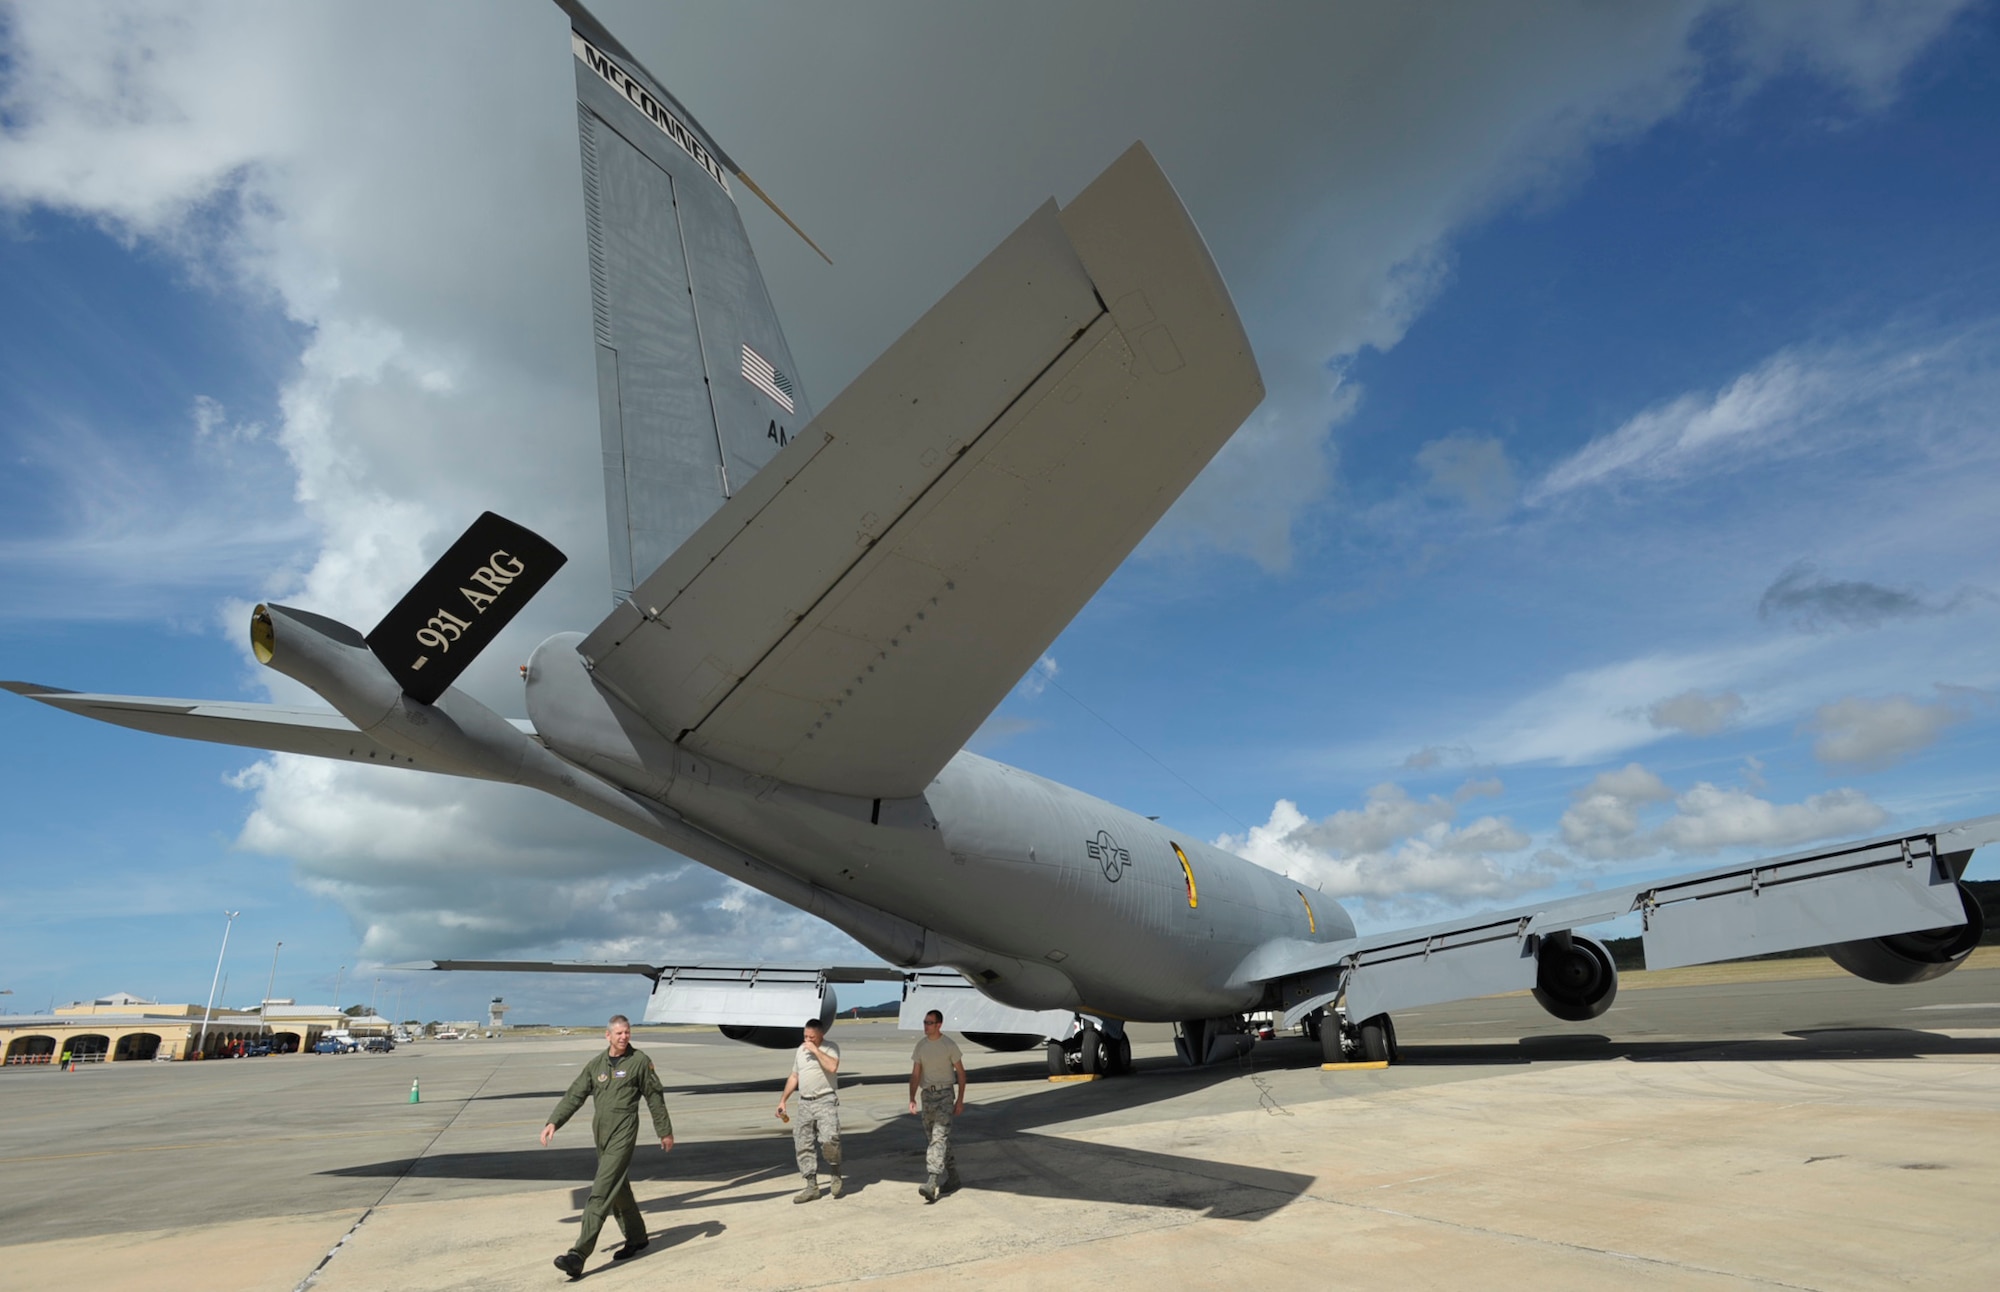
[1045, 896]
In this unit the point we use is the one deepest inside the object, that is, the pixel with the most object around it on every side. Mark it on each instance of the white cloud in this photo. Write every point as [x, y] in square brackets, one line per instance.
[1859, 45]
[1039, 676]
[1708, 818]
[416, 213]
[1696, 712]
[1608, 818]
[1472, 470]
[1755, 414]
[1877, 733]
[427, 868]
[1802, 401]
[1394, 852]
[1603, 821]
[1594, 714]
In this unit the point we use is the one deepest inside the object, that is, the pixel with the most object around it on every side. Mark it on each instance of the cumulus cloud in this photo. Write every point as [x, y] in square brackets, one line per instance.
[1806, 599]
[1615, 817]
[493, 869]
[1472, 470]
[1394, 852]
[1696, 713]
[1874, 734]
[347, 177]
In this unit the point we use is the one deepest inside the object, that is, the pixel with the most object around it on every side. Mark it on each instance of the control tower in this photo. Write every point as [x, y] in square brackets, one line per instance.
[496, 1015]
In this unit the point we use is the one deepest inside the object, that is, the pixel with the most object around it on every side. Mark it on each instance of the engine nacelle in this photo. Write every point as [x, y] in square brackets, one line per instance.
[1904, 958]
[769, 1038]
[1575, 977]
[1005, 1042]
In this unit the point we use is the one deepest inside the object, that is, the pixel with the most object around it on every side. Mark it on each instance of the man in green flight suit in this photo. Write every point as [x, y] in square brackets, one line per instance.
[617, 1080]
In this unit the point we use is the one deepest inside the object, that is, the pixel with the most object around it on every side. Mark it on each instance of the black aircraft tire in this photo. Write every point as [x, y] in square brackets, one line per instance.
[1377, 1039]
[1124, 1064]
[1330, 1048]
[1058, 1059]
[1090, 1049]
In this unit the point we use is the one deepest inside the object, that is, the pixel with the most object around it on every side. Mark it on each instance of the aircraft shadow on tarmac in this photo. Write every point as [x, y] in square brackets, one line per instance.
[1859, 1042]
[997, 1146]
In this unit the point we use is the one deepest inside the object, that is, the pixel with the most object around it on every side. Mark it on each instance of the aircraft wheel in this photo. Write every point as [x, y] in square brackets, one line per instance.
[1378, 1039]
[1330, 1048]
[1123, 1059]
[1090, 1049]
[1058, 1059]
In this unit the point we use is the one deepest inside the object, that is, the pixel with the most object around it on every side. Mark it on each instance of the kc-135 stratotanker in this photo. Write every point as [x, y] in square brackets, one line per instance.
[815, 610]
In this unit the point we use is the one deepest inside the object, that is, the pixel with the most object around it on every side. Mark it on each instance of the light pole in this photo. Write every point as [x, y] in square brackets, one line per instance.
[372, 997]
[212, 982]
[336, 987]
[264, 1010]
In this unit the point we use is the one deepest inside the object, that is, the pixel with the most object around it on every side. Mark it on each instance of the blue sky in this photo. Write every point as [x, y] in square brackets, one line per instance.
[1620, 506]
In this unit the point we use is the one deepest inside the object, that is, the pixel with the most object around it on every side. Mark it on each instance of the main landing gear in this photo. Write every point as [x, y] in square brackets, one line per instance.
[1092, 1051]
[1372, 1040]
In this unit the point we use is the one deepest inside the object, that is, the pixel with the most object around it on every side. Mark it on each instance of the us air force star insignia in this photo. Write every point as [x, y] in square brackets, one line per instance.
[1110, 858]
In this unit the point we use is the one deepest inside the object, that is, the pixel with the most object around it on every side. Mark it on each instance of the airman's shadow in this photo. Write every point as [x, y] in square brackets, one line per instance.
[999, 1147]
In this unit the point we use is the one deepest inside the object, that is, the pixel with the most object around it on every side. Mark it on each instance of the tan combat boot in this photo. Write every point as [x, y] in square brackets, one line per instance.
[808, 1193]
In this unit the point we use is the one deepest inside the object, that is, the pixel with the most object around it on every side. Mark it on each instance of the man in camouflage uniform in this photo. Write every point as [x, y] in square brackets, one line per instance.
[816, 1129]
[616, 1081]
[933, 1065]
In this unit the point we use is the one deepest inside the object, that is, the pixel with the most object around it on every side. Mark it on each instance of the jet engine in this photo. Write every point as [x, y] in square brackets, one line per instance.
[1904, 958]
[769, 1038]
[1004, 1042]
[1575, 978]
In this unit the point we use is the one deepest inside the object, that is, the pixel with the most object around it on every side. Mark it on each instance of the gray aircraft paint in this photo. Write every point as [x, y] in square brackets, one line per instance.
[1043, 897]
[676, 295]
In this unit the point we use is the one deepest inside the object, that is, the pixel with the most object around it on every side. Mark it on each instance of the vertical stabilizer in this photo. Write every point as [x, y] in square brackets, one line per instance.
[695, 385]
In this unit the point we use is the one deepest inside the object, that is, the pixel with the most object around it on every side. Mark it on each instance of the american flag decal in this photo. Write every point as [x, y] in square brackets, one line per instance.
[759, 372]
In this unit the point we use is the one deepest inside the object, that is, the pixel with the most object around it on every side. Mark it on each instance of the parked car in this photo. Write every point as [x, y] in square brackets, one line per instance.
[332, 1045]
[256, 1049]
[378, 1045]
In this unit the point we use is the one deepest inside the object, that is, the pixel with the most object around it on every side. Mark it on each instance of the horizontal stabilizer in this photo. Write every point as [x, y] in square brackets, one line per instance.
[850, 617]
[321, 733]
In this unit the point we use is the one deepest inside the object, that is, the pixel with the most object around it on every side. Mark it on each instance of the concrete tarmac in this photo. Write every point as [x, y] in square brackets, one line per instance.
[1814, 1133]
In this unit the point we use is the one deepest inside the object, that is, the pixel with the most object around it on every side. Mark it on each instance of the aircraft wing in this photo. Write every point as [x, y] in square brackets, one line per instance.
[860, 606]
[1871, 888]
[321, 733]
[754, 996]
[831, 973]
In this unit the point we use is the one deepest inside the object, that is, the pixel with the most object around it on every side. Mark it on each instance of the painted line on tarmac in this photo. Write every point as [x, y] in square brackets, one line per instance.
[313, 1277]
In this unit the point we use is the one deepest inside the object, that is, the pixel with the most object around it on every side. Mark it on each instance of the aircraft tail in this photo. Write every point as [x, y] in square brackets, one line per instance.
[696, 387]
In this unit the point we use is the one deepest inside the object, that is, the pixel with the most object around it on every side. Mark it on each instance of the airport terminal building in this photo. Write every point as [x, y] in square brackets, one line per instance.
[122, 1027]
